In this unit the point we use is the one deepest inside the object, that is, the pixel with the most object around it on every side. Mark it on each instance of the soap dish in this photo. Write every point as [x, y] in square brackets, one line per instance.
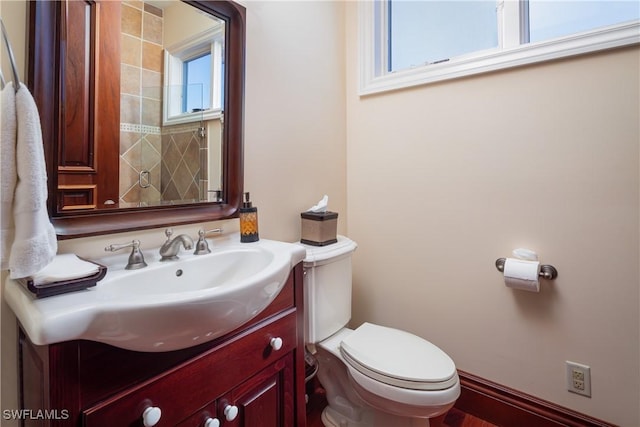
[43, 290]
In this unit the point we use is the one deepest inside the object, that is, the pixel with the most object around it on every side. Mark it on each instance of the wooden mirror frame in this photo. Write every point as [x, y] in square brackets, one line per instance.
[46, 50]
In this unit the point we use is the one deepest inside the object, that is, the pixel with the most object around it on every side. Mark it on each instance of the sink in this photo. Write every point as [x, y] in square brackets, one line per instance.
[219, 270]
[166, 306]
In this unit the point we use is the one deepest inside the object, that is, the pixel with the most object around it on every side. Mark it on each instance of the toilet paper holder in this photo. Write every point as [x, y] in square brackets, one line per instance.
[547, 271]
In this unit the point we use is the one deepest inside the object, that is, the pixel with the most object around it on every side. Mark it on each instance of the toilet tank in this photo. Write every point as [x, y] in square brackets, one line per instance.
[327, 288]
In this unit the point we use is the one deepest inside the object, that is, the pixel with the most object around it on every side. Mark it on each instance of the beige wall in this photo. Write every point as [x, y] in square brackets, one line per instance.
[295, 112]
[175, 15]
[441, 181]
[446, 178]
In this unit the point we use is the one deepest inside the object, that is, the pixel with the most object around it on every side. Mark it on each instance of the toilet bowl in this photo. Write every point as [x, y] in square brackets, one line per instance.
[373, 375]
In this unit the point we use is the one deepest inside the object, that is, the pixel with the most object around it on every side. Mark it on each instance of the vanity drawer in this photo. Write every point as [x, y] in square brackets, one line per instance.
[190, 386]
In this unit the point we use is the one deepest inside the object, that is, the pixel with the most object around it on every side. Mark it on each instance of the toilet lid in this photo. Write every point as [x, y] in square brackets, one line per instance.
[398, 358]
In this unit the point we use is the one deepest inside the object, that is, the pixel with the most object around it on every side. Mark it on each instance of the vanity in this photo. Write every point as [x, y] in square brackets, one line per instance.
[250, 376]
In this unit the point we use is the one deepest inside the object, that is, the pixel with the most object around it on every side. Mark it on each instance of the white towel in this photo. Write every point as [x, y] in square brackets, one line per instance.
[8, 174]
[65, 267]
[35, 243]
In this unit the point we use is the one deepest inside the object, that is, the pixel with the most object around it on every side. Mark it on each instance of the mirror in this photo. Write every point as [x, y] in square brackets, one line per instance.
[119, 156]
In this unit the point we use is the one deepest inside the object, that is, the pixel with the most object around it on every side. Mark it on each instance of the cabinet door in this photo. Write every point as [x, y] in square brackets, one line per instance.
[265, 400]
[260, 406]
[91, 89]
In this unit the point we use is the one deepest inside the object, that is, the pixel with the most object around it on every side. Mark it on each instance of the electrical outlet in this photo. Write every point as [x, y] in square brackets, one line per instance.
[579, 378]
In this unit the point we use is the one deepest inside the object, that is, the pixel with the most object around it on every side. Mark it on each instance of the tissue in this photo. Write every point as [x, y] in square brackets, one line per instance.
[522, 274]
[321, 206]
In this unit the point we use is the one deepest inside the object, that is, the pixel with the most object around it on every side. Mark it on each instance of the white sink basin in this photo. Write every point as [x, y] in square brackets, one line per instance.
[166, 306]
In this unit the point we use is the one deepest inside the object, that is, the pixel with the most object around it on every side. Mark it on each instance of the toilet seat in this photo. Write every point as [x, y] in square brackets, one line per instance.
[398, 358]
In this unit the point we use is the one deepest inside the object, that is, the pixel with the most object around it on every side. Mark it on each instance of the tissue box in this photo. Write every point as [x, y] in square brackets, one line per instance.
[319, 228]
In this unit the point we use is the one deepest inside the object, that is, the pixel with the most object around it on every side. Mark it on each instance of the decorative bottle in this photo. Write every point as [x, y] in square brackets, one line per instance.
[248, 221]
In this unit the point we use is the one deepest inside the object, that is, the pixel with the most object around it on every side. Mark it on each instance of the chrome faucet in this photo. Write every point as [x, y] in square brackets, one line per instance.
[136, 259]
[170, 248]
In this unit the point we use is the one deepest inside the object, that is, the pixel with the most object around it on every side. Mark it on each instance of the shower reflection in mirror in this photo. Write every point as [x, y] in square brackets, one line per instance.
[171, 148]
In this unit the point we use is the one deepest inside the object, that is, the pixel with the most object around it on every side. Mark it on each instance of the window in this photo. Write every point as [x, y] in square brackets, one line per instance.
[194, 78]
[427, 32]
[408, 42]
[197, 84]
[551, 19]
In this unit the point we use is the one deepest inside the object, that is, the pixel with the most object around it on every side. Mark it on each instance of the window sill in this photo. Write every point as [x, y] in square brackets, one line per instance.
[196, 117]
[491, 60]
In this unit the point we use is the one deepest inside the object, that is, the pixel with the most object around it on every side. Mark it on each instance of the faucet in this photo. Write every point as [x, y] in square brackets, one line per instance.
[170, 248]
[136, 259]
[202, 247]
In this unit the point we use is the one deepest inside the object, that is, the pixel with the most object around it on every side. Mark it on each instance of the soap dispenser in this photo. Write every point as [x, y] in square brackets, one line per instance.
[248, 221]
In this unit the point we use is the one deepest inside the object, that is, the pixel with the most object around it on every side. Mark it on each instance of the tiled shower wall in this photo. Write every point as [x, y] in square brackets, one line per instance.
[140, 103]
[183, 150]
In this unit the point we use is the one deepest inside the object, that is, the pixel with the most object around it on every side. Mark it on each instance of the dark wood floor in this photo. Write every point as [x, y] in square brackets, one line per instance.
[454, 418]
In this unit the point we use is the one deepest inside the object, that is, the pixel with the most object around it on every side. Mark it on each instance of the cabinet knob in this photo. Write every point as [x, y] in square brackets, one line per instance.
[212, 422]
[276, 343]
[230, 412]
[151, 416]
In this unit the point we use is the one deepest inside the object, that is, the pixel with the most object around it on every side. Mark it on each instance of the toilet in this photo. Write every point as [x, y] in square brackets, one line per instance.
[374, 376]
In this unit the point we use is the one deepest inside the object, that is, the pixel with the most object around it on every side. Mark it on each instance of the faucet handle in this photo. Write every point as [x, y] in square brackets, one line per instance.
[202, 246]
[136, 258]
[168, 232]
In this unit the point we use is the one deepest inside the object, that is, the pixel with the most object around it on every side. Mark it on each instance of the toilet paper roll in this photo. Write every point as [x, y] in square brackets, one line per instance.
[521, 274]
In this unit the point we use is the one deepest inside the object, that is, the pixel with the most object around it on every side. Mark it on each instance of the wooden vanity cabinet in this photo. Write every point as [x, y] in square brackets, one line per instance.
[82, 383]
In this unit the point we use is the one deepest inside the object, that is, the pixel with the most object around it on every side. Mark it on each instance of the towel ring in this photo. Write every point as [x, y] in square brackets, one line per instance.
[12, 59]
